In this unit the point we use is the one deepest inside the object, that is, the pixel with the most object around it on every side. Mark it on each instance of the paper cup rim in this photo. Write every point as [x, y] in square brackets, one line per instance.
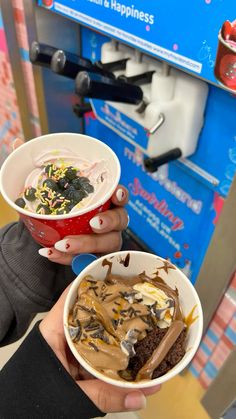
[223, 41]
[81, 211]
[142, 384]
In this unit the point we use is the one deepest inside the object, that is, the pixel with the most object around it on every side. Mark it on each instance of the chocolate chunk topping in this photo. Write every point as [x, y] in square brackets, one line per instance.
[94, 346]
[146, 347]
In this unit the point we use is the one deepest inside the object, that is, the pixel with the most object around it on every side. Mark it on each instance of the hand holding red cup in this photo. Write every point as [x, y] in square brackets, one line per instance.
[49, 229]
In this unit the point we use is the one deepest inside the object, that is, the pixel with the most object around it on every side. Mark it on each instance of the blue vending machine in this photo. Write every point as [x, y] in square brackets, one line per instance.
[163, 98]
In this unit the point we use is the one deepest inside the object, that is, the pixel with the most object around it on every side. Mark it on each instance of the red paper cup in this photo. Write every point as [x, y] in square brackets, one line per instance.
[48, 229]
[225, 66]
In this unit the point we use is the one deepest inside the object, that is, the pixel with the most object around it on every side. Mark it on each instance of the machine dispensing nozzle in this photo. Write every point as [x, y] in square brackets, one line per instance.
[81, 109]
[139, 79]
[151, 164]
[95, 86]
[113, 65]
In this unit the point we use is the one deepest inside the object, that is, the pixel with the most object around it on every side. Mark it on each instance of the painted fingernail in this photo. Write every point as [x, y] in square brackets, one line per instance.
[120, 195]
[135, 401]
[97, 223]
[62, 245]
[45, 252]
[128, 220]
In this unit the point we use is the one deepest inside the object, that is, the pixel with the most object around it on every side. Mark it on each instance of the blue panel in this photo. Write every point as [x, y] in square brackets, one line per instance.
[183, 34]
[214, 162]
[175, 210]
[171, 212]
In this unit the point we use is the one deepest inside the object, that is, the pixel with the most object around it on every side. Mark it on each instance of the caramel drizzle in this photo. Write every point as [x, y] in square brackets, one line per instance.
[189, 319]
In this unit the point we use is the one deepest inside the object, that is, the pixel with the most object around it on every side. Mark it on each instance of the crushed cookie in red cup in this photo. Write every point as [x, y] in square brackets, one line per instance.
[58, 183]
[132, 319]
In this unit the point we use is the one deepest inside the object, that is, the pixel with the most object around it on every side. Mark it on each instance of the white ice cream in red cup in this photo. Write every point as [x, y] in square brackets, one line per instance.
[133, 319]
[58, 183]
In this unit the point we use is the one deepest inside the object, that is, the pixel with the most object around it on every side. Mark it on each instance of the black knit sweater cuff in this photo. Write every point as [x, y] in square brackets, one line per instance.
[34, 384]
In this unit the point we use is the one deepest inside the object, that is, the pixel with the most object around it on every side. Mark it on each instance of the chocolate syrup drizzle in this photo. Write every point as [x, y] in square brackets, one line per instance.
[109, 310]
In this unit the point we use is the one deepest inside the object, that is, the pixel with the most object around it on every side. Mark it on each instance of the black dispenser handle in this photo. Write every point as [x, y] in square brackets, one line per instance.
[69, 65]
[98, 87]
[151, 164]
[41, 54]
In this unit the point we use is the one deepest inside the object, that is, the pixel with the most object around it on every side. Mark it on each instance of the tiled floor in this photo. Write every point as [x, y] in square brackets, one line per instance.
[178, 399]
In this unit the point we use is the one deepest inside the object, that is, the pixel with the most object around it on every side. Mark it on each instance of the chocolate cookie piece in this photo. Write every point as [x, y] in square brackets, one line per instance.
[146, 347]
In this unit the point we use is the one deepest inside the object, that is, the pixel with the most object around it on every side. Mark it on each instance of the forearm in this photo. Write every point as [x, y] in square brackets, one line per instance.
[35, 384]
[28, 283]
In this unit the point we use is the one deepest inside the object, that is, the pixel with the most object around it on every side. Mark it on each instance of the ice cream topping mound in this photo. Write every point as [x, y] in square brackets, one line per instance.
[62, 183]
[128, 328]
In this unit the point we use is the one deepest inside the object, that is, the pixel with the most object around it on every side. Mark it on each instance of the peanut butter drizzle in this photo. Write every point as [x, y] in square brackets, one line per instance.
[145, 373]
[106, 302]
[106, 355]
[102, 315]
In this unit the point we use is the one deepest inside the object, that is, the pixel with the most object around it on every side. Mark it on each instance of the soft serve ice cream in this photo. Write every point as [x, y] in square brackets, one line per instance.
[62, 183]
[128, 328]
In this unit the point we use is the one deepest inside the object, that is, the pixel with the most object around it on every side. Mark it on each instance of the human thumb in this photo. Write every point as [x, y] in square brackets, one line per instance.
[110, 399]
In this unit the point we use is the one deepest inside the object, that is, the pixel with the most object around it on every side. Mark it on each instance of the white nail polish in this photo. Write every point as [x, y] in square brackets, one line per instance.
[120, 195]
[44, 252]
[96, 223]
[62, 245]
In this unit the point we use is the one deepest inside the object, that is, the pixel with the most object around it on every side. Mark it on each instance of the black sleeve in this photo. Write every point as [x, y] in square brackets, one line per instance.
[34, 384]
[29, 283]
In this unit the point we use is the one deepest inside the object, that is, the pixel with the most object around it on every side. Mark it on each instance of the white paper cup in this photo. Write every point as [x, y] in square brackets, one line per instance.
[48, 229]
[139, 262]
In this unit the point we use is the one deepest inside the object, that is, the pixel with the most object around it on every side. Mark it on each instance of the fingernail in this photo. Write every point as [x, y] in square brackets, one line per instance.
[16, 143]
[135, 401]
[62, 245]
[13, 145]
[128, 221]
[120, 195]
[97, 223]
[45, 252]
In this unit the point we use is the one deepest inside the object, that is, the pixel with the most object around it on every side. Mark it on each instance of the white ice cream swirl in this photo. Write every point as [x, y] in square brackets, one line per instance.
[96, 172]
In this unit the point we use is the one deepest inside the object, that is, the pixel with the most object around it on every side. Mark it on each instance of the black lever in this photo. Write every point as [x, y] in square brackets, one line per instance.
[151, 164]
[113, 66]
[69, 65]
[41, 54]
[98, 87]
[80, 110]
[139, 79]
